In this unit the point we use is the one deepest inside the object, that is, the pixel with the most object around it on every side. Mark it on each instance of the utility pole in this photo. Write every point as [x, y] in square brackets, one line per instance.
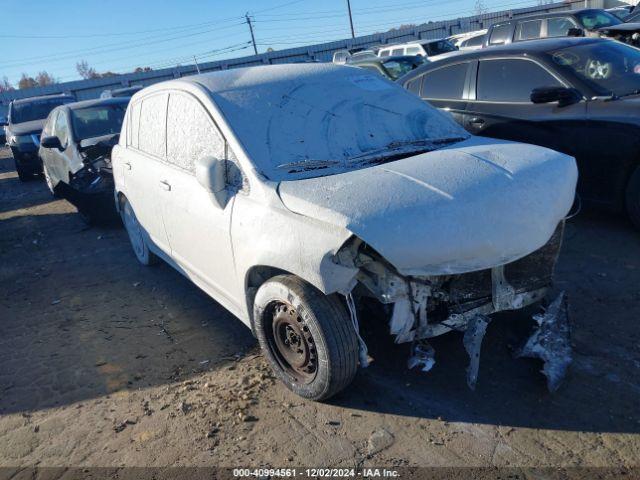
[253, 39]
[196, 62]
[353, 35]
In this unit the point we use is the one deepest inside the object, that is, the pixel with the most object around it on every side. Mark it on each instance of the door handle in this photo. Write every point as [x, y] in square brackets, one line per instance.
[476, 122]
[127, 165]
[165, 185]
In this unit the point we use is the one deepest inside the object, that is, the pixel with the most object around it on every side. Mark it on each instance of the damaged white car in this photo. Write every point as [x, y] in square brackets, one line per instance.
[291, 193]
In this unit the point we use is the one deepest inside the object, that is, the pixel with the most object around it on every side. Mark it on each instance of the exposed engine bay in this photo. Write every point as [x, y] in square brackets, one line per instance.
[427, 306]
[90, 189]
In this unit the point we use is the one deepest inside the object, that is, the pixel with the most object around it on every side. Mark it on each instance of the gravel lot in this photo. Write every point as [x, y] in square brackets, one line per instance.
[104, 362]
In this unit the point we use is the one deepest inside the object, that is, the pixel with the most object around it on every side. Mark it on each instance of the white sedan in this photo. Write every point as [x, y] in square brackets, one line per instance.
[291, 193]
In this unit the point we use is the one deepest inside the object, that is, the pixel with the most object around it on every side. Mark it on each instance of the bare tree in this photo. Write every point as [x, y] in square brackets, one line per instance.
[45, 78]
[27, 82]
[5, 85]
[85, 71]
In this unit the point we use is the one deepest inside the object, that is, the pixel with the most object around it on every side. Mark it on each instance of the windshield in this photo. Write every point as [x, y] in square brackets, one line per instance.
[610, 67]
[594, 19]
[37, 110]
[97, 121]
[439, 47]
[325, 119]
[397, 68]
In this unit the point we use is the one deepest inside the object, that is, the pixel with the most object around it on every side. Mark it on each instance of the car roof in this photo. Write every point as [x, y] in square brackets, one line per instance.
[560, 13]
[525, 47]
[41, 97]
[531, 46]
[98, 102]
[383, 60]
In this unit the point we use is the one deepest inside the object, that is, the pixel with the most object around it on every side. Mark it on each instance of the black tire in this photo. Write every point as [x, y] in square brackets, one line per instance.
[23, 175]
[633, 198]
[138, 242]
[322, 332]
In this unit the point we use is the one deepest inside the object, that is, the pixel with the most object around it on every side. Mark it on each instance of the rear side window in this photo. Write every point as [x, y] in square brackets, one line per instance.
[134, 123]
[445, 83]
[191, 134]
[397, 51]
[559, 27]
[511, 80]
[153, 118]
[500, 34]
[384, 53]
[413, 50]
[528, 30]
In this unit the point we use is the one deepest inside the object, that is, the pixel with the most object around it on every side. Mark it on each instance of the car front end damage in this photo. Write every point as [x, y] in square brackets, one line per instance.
[90, 189]
[423, 307]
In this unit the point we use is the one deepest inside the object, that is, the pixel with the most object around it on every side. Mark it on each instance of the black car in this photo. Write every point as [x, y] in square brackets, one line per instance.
[26, 119]
[579, 96]
[390, 67]
[590, 22]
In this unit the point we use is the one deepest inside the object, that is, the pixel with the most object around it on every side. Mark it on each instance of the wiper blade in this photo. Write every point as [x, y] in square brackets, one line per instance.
[302, 165]
[414, 146]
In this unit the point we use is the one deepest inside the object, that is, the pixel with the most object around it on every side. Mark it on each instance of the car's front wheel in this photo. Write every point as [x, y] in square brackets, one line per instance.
[136, 235]
[633, 198]
[307, 337]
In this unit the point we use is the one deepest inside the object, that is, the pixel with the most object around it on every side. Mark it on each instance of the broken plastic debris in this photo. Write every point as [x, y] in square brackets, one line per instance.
[551, 342]
[423, 356]
[472, 343]
[362, 347]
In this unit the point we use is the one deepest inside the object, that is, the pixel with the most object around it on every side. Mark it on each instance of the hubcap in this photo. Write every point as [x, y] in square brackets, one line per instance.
[292, 344]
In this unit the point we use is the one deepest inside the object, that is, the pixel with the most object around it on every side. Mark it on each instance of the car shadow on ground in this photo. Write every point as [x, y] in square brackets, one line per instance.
[31, 194]
[80, 318]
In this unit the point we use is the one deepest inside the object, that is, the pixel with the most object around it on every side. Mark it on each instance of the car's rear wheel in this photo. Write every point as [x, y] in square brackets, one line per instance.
[307, 337]
[633, 198]
[136, 235]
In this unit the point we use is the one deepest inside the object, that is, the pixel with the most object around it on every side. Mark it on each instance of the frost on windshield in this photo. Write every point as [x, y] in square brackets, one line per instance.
[323, 117]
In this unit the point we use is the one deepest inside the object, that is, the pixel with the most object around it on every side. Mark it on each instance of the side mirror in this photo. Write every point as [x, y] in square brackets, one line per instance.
[210, 173]
[575, 32]
[51, 142]
[564, 96]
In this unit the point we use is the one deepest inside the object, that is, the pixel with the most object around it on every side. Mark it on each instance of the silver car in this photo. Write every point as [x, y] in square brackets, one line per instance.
[293, 193]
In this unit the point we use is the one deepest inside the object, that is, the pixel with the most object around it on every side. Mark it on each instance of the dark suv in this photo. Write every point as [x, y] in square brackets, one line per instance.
[579, 96]
[26, 119]
[586, 22]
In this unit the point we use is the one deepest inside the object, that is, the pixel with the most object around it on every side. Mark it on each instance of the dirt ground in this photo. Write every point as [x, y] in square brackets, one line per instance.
[104, 362]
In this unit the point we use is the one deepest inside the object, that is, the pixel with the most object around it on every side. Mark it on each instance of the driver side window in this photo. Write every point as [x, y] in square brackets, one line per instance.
[61, 129]
[192, 134]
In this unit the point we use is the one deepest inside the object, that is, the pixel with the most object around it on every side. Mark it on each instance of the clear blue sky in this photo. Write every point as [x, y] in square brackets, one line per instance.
[118, 35]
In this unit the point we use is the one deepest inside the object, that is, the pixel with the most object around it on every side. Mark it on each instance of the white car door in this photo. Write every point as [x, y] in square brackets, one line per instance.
[199, 231]
[143, 161]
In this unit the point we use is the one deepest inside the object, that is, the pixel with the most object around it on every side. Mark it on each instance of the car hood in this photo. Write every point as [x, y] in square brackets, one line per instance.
[27, 128]
[470, 206]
